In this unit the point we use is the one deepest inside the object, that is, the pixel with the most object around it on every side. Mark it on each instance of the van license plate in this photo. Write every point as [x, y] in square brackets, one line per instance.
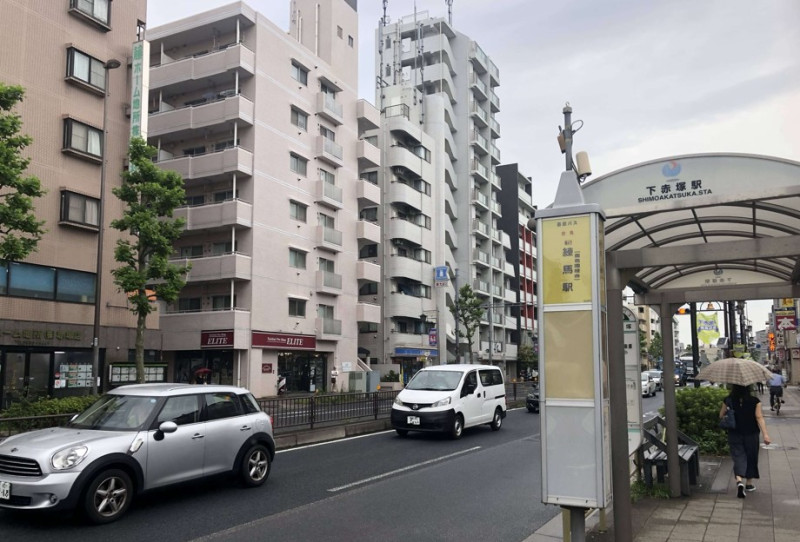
[5, 491]
[412, 420]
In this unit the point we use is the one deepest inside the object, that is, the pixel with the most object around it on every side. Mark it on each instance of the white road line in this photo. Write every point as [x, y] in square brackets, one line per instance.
[397, 471]
[327, 442]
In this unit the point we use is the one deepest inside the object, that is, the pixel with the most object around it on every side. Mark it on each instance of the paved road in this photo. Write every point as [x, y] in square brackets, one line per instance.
[423, 488]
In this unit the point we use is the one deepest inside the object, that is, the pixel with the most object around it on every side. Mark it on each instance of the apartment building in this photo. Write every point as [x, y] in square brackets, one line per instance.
[427, 54]
[64, 54]
[516, 204]
[266, 129]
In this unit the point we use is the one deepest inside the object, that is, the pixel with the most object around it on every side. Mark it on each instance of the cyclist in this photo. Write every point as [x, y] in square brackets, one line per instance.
[776, 384]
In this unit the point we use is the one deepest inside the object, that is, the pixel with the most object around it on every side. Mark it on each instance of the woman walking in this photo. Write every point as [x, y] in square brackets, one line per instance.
[743, 440]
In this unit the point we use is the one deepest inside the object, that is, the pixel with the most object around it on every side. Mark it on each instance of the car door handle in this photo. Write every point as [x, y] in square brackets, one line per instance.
[245, 428]
[197, 436]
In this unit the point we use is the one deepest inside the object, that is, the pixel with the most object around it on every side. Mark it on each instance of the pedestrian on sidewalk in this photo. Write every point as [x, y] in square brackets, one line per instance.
[743, 440]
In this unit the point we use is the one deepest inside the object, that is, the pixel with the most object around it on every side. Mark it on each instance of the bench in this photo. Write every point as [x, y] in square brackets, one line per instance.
[653, 453]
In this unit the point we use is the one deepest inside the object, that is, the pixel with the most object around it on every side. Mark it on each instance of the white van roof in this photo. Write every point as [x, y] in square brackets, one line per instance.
[457, 367]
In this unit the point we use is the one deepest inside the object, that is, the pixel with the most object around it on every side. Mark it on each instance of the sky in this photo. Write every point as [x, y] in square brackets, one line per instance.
[649, 80]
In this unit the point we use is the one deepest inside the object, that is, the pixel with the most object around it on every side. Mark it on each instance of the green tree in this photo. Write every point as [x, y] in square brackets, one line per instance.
[527, 358]
[19, 228]
[656, 348]
[469, 312]
[150, 196]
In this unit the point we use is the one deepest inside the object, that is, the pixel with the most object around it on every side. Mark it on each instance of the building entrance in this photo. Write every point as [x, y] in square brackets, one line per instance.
[25, 375]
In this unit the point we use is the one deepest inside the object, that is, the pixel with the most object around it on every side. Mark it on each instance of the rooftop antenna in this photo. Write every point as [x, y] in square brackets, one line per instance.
[449, 11]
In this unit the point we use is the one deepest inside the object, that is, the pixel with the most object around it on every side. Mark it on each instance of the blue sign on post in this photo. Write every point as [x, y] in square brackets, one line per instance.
[440, 275]
[433, 339]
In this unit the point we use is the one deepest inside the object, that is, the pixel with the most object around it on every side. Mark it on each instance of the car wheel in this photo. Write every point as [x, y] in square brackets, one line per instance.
[402, 432]
[108, 496]
[497, 421]
[458, 427]
[256, 465]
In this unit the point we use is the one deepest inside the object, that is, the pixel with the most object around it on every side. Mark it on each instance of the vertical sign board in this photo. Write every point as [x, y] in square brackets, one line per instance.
[140, 84]
[633, 382]
[576, 462]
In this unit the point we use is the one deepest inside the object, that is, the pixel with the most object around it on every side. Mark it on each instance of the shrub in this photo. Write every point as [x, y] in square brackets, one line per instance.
[391, 376]
[43, 406]
[698, 417]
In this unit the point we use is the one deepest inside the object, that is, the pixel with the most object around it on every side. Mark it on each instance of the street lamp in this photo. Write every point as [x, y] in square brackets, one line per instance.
[112, 64]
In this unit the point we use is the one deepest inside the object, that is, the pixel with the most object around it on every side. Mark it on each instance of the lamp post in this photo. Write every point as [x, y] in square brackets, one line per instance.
[110, 65]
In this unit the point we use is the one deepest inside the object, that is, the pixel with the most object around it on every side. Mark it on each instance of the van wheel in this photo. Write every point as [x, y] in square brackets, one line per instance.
[458, 427]
[497, 421]
[108, 496]
[402, 432]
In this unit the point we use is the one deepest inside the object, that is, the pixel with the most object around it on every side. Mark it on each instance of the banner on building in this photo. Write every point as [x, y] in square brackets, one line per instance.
[707, 328]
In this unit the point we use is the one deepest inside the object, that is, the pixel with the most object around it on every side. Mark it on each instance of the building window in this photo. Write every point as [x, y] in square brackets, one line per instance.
[327, 177]
[222, 302]
[299, 119]
[75, 286]
[339, 31]
[297, 258]
[297, 307]
[219, 249]
[350, 41]
[370, 176]
[79, 209]
[368, 251]
[298, 164]
[190, 304]
[326, 221]
[327, 133]
[43, 282]
[298, 211]
[299, 73]
[370, 214]
[223, 195]
[86, 69]
[83, 138]
[370, 288]
[367, 327]
[194, 251]
[98, 10]
[193, 201]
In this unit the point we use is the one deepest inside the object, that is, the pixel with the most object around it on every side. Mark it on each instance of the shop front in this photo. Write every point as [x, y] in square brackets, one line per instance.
[412, 360]
[211, 364]
[296, 357]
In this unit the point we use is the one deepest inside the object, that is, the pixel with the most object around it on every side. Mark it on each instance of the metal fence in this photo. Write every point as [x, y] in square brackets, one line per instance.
[291, 412]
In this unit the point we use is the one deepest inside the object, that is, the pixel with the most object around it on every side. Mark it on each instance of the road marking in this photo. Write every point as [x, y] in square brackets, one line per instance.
[294, 449]
[398, 471]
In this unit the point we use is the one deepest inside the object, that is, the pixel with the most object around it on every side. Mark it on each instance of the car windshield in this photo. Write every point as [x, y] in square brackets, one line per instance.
[435, 380]
[116, 413]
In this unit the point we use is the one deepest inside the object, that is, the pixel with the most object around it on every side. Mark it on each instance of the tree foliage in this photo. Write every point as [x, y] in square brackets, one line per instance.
[150, 196]
[656, 348]
[20, 229]
[469, 312]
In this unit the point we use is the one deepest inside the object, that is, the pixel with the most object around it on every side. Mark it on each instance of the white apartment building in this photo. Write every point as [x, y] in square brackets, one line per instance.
[426, 54]
[265, 127]
[59, 53]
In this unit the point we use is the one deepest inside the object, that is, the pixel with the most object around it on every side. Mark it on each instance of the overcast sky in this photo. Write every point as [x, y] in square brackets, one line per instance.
[649, 79]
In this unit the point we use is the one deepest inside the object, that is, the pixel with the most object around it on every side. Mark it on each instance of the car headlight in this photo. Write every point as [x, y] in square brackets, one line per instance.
[441, 402]
[69, 457]
[397, 400]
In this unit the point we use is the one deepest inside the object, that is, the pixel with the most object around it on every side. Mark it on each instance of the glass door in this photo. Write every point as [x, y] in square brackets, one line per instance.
[38, 383]
[13, 378]
[25, 375]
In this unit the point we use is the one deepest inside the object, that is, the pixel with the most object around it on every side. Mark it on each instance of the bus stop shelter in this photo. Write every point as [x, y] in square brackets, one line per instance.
[691, 228]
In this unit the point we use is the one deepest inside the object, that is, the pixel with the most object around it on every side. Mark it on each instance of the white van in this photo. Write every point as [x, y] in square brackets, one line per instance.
[448, 398]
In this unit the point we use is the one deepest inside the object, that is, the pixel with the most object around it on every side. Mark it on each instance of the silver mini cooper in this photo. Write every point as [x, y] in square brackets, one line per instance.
[133, 439]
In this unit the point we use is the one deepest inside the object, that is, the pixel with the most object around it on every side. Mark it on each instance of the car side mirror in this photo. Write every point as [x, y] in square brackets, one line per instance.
[165, 427]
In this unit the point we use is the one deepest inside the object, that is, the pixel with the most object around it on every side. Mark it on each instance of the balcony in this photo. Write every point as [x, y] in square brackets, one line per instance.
[179, 122]
[369, 155]
[436, 75]
[480, 257]
[214, 268]
[479, 142]
[409, 268]
[480, 171]
[368, 231]
[398, 156]
[506, 240]
[510, 296]
[450, 206]
[406, 306]
[214, 164]
[328, 329]
[181, 330]
[450, 238]
[478, 86]
[495, 179]
[479, 114]
[214, 216]
[494, 74]
[328, 283]
[368, 192]
[494, 100]
[480, 227]
[329, 109]
[480, 286]
[403, 193]
[201, 67]
[450, 175]
[328, 239]
[496, 209]
[368, 312]
[369, 118]
[495, 152]
[480, 199]
[509, 269]
[403, 229]
[495, 127]
[368, 271]
[329, 151]
[479, 59]
[328, 194]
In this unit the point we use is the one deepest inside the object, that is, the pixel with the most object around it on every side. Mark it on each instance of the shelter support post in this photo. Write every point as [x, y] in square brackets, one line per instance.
[618, 405]
[670, 412]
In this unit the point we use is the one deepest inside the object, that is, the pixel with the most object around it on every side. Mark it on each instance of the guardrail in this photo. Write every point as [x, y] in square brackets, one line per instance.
[291, 412]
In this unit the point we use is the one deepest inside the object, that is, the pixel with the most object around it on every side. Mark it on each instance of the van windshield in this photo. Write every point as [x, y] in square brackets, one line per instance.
[435, 380]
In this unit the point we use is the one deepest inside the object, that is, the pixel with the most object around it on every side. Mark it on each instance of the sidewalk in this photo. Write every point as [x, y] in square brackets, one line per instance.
[713, 513]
